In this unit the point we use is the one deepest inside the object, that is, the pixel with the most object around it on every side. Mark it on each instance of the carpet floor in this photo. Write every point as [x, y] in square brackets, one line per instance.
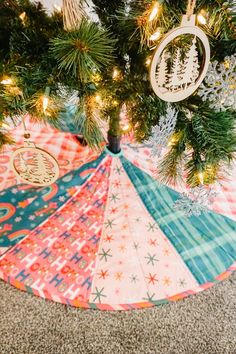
[202, 324]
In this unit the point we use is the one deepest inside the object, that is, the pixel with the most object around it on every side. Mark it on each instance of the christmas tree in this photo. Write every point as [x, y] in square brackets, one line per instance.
[176, 72]
[162, 71]
[105, 61]
[190, 66]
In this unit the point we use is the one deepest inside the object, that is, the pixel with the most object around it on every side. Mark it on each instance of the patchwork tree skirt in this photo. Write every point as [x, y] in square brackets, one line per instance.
[108, 236]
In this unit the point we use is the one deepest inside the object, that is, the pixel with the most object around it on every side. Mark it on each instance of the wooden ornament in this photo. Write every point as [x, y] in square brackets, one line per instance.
[176, 77]
[34, 165]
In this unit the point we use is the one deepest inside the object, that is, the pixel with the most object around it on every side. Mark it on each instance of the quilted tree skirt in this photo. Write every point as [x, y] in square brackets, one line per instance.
[106, 236]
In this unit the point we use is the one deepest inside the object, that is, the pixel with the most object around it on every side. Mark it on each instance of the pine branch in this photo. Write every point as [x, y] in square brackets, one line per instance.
[88, 122]
[170, 168]
[83, 51]
[211, 137]
[5, 139]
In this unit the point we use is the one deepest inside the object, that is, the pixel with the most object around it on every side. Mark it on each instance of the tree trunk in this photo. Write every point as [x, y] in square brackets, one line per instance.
[114, 143]
[114, 133]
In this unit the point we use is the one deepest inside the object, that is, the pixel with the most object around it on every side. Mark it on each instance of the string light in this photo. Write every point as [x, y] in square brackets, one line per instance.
[45, 103]
[115, 74]
[201, 177]
[154, 12]
[155, 35]
[98, 98]
[126, 127]
[7, 81]
[115, 103]
[201, 18]
[148, 61]
[173, 141]
[22, 16]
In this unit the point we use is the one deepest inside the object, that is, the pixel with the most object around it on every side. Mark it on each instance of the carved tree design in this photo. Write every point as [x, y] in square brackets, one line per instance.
[190, 65]
[162, 71]
[44, 166]
[22, 164]
[176, 72]
[41, 171]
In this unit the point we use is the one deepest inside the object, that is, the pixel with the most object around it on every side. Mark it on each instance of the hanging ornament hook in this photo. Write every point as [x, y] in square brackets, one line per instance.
[190, 8]
[26, 132]
[72, 13]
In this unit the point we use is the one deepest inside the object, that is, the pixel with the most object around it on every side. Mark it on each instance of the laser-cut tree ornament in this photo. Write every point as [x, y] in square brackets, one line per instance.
[176, 76]
[33, 165]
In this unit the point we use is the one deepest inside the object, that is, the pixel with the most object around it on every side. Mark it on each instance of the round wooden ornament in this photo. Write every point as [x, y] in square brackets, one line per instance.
[176, 76]
[34, 165]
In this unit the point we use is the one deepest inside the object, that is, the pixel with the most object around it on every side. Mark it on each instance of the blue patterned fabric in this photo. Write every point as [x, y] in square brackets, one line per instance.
[206, 243]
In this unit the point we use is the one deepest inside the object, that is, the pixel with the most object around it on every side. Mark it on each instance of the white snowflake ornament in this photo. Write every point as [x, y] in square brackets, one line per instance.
[70, 97]
[219, 86]
[196, 201]
[162, 132]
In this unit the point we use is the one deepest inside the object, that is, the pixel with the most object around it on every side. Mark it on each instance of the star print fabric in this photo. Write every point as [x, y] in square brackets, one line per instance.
[135, 258]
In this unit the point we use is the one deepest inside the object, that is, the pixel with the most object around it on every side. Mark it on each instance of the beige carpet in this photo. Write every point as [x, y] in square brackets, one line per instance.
[202, 324]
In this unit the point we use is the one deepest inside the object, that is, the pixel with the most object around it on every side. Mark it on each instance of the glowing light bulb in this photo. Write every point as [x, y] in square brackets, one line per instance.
[98, 98]
[22, 16]
[45, 103]
[172, 141]
[201, 19]
[115, 103]
[126, 127]
[155, 35]
[148, 61]
[115, 74]
[7, 81]
[154, 12]
[201, 177]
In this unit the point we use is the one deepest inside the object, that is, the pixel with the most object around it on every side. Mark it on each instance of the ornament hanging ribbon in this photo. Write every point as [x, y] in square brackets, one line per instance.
[26, 132]
[190, 8]
[72, 13]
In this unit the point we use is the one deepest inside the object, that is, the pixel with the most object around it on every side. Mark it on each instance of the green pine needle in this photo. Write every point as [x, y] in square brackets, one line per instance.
[83, 51]
[5, 139]
[88, 122]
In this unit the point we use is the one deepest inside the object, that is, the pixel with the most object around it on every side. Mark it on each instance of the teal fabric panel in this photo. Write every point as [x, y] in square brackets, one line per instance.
[206, 243]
